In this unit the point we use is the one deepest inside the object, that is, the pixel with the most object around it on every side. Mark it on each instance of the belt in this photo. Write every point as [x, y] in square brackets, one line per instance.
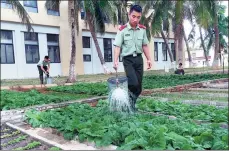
[134, 55]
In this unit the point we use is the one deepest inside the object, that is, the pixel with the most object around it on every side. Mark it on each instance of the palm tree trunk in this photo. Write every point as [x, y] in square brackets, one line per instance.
[167, 45]
[72, 76]
[204, 48]
[215, 63]
[179, 37]
[187, 47]
[93, 34]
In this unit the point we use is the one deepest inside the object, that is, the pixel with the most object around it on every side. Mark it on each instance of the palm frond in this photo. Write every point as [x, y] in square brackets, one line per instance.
[52, 4]
[25, 18]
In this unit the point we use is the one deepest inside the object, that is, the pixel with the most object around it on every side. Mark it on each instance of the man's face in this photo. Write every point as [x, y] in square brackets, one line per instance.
[134, 18]
[46, 60]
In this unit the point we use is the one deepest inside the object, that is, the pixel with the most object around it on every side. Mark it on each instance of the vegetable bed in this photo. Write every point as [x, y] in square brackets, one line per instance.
[12, 139]
[14, 100]
[149, 82]
[185, 111]
[137, 131]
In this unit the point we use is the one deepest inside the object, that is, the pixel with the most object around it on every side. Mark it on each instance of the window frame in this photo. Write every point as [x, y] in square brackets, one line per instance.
[12, 44]
[26, 5]
[106, 55]
[165, 58]
[26, 53]
[52, 61]
[84, 56]
[86, 37]
[173, 51]
[5, 44]
[156, 58]
[33, 43]
[53, 44]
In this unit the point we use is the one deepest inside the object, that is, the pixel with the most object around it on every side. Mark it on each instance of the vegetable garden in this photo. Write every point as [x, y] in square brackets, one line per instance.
[158, 125]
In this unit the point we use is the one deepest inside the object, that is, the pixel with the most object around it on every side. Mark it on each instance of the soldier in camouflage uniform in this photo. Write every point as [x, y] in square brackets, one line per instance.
[131, 40]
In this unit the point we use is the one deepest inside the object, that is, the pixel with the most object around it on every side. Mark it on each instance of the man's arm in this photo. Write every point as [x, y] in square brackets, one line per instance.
[118, 44]
[116, 55]
[146, 52]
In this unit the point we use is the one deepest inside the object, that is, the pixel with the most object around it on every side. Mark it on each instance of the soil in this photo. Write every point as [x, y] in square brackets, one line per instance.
[42, 146]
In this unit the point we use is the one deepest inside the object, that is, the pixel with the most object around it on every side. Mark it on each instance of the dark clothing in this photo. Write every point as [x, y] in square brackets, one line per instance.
[179, 71]
[41, 73]
[134, 71]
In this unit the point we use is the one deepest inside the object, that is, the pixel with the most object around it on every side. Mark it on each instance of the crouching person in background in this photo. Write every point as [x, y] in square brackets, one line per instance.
[43, 67]
[180, 69]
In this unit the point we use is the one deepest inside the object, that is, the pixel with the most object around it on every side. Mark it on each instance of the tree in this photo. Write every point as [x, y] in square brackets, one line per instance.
[206, 21]
[96, 13]
[22, 13]
[203, 18]
[153, 15]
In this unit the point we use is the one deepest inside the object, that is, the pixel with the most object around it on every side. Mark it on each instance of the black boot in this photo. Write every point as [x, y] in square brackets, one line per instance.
[133, 100]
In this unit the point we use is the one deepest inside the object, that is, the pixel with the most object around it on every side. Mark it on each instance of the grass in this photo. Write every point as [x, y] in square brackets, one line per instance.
[93, 78]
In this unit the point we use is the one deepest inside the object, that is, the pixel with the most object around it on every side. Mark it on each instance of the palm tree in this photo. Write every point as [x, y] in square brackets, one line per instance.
[153, 15]
[202, 17]
[223, 27]
[22, 13]
[96, 12]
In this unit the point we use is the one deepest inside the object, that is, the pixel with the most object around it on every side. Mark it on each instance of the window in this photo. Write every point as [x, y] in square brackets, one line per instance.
[31, 6]
[107, 49]
[173, 24]
[7, 51]
[165, 25]
[54, 11]
[31, 47]
[173, 51]
[193, 55]
[86, 42]
[53, 48]
[87, 58]
[82, 12]
[155, 51]
[6, 4]
[164, 51]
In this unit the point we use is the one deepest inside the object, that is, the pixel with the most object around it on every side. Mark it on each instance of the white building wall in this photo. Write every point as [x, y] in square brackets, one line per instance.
[160, 64]
[20, 69]
[95, 67]
[198, 59]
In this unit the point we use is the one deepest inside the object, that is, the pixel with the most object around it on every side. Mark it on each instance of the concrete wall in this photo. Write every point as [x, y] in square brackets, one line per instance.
[160, 64]
[44, 23]
[21, 69]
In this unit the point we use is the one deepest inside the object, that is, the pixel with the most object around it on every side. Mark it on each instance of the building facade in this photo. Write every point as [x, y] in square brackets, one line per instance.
[21, 51]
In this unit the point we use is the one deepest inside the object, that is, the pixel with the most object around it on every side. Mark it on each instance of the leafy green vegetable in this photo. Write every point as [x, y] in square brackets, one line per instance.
[185, 111]
[149, 82]
[13, 99]
[136, 131]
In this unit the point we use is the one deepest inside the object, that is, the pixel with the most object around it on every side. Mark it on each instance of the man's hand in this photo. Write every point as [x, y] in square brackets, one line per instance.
[116, 65]
[149, 64]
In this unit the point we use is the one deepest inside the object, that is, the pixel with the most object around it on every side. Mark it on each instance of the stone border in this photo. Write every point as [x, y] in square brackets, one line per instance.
[209, 90]
[183, 87]
[32, 86]
[68, 145]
